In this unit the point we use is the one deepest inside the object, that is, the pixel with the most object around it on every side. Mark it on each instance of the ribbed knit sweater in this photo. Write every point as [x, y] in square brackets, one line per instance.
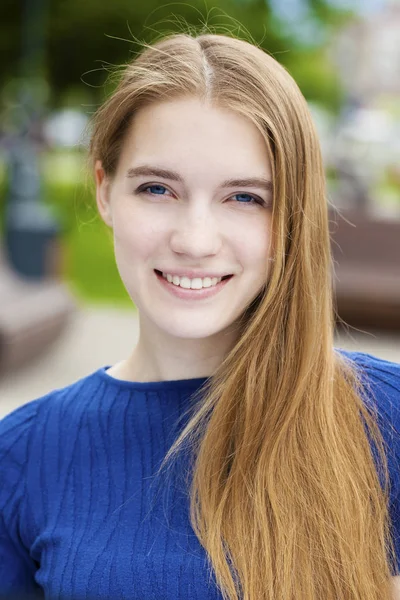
[81, 516]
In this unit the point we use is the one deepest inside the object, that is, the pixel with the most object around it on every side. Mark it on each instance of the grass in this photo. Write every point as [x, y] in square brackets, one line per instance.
[88, 257]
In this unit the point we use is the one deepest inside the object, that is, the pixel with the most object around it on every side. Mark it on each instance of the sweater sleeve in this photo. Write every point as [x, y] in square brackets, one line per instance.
[17, 568]
[383, 377]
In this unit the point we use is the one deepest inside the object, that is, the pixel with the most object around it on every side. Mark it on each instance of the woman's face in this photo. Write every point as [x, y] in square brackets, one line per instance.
[191, 196]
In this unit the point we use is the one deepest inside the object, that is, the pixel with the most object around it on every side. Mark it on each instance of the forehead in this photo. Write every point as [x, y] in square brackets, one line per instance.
[190, 136]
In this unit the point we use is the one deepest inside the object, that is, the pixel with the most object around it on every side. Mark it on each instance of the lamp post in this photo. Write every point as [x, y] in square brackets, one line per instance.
[30, 229]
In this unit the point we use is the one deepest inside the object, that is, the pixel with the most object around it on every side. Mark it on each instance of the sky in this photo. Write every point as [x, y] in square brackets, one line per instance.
[362, 6]
[296, 15]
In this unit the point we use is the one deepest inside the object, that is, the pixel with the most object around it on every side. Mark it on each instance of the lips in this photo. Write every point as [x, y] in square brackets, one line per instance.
[197, 276]
[190, 294]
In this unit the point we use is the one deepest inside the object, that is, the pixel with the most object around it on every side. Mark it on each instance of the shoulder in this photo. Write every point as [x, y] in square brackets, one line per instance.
[381, 389]
[40, 416]
[37, 444]
[381, 377]
[15, 429]
[380, 380]
[373, 364]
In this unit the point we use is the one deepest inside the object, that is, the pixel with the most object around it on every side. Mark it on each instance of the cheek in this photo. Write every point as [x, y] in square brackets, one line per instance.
[134, 234]
[126, 238]
[254, 245]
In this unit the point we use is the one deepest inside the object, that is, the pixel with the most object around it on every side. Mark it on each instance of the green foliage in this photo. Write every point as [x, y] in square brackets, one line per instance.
[317, 78]
[89, 265]
[84, 40]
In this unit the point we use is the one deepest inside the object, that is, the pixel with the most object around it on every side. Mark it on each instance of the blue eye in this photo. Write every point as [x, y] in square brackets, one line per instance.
[159, 189]
[248, 199]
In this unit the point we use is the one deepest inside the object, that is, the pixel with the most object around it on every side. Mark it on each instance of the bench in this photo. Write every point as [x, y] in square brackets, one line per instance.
[366, 255]
[32, 315]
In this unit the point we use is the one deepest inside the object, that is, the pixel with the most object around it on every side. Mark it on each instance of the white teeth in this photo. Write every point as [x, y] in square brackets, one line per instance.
[195, 284]
[183, 282]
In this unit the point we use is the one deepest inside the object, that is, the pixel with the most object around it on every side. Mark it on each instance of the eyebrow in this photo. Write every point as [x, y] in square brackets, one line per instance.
[254, 182]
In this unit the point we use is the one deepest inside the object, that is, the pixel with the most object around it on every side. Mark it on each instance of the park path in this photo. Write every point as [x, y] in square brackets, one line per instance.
[99, 336]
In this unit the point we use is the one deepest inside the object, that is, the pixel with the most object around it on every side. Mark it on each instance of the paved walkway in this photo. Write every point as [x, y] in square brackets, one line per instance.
[104, 336]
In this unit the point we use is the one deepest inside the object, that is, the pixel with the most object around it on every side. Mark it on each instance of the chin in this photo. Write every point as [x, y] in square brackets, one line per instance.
[190, 334]
[191, 330]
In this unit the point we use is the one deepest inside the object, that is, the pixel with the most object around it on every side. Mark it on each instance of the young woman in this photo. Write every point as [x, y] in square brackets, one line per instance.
[235, 453]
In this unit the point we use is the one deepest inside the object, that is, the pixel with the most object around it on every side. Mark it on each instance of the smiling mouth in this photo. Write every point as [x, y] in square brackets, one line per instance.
[222, 279]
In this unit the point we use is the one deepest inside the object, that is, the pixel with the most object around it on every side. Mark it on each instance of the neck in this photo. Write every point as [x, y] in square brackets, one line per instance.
[161, 357]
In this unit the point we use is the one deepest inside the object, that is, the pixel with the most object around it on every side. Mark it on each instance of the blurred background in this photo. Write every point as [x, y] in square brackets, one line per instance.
[63, 309]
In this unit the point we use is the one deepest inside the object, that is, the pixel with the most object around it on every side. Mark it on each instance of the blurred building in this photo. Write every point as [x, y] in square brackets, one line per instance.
[365, 146]
[368, 53]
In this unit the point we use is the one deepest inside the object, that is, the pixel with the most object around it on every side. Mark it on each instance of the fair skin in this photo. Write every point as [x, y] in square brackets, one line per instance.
[396, 587]
[198, 222]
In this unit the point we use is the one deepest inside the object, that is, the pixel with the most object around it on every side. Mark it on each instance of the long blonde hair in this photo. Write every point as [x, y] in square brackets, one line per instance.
[285, 492]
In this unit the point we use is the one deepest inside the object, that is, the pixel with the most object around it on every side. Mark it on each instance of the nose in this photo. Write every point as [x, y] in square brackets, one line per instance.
[196, 233]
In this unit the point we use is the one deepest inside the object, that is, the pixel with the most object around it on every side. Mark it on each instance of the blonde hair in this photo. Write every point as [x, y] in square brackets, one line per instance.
[285, 493]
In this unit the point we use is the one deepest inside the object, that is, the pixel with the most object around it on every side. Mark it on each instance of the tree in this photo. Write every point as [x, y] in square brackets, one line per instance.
[81, 38]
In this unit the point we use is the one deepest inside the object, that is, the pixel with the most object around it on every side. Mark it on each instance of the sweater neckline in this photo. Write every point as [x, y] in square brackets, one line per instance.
[175, 384]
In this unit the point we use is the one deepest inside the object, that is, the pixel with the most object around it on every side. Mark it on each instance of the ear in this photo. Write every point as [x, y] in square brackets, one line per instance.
[103, 194]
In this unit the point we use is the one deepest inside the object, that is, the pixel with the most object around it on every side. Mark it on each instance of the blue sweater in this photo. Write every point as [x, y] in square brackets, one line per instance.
[80, 515]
